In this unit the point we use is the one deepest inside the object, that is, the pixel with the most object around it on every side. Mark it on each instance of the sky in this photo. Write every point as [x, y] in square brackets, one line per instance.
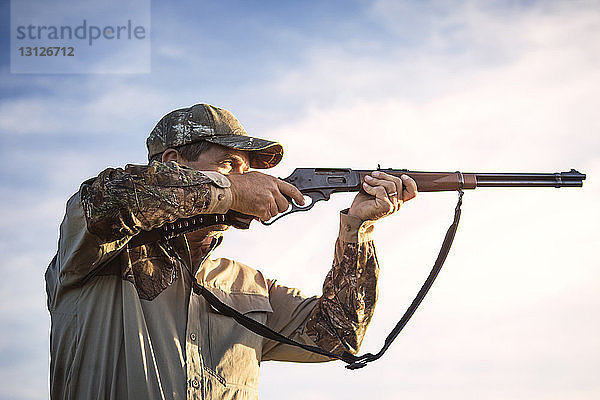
[476, 86]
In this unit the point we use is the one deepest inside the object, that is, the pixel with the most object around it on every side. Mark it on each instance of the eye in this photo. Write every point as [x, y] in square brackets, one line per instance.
[226, 165]
[232, 164]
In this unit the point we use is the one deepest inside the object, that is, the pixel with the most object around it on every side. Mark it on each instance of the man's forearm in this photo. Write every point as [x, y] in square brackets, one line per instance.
[120, 202]
[342, 314]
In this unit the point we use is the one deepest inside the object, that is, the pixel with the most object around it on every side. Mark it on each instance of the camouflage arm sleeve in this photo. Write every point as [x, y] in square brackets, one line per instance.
[121, 202]
[340, 317]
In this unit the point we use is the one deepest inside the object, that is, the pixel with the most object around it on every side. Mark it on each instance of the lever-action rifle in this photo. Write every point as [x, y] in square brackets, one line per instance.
[319, 184]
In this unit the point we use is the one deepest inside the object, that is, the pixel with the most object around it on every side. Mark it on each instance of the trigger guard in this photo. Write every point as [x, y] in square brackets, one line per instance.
[315, 197]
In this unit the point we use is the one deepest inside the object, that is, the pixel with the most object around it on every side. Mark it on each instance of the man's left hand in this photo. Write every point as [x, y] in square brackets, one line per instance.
[385, 195]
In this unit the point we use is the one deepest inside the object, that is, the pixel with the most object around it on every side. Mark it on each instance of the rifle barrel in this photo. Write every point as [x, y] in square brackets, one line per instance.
[572, 178]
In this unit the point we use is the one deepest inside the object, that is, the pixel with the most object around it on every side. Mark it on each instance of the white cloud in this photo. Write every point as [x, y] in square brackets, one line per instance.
[118, 108]
[511, 315]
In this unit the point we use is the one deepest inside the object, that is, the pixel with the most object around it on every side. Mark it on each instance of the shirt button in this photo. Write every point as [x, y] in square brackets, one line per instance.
[348, 228]
[193, 337]
[220, 196]
[195, 383]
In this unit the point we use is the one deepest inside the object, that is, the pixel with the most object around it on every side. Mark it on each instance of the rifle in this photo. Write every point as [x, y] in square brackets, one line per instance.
[319, 184]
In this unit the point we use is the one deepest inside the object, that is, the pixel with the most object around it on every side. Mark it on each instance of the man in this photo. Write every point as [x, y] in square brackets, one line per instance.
[126, 323]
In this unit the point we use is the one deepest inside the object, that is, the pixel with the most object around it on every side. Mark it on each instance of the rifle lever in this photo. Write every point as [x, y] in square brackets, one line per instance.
[314, 196]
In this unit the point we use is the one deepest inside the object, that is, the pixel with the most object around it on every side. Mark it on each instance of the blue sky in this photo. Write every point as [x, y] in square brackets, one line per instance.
[470, 85]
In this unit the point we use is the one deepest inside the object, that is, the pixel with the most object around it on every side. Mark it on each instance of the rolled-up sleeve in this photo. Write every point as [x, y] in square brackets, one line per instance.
[337, 320]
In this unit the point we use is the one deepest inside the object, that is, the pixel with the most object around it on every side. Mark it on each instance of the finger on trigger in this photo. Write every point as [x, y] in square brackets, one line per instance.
[291, 191]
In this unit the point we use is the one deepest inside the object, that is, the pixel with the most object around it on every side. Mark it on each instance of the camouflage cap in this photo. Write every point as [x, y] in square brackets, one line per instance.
[203, 122]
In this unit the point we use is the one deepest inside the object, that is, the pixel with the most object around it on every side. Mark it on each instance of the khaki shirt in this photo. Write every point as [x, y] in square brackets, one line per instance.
[126, 324]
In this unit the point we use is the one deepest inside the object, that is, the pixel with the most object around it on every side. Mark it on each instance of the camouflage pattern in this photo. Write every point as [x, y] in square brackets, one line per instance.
[203, 122]
[342, 314]
[149, 268]
[121, 202]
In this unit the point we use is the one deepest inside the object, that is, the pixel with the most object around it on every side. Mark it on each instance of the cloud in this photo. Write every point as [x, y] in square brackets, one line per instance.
[116, 109]
[432, 87]
[377, 69]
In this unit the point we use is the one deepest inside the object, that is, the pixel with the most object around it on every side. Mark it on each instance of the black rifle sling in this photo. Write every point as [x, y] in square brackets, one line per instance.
[439, 262]
[263, 330]
[353, 362]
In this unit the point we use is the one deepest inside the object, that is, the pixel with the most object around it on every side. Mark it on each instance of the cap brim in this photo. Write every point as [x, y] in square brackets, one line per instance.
[264, 153]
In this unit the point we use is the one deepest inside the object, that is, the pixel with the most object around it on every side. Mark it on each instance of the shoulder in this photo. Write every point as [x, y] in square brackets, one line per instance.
[232, 277]
[236, 284]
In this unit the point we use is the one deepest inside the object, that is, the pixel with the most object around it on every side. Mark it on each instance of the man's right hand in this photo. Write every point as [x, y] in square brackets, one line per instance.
[261, 195]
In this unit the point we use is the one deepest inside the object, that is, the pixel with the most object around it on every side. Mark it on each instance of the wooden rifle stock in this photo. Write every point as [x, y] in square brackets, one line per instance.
[432, 181]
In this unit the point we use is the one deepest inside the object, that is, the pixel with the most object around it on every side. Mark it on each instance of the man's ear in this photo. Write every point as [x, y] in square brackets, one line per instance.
[170, 155]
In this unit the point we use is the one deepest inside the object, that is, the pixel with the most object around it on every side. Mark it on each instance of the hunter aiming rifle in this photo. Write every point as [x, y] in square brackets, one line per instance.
[319, 184]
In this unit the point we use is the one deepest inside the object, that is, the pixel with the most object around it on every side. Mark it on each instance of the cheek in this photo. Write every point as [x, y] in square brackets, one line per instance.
[203, 166]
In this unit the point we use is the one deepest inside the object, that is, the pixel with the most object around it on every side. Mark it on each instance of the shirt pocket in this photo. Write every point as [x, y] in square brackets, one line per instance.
[235, 352]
